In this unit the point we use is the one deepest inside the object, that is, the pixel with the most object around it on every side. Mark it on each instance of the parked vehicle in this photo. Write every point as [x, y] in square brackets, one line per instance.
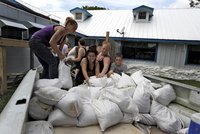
[15, 114]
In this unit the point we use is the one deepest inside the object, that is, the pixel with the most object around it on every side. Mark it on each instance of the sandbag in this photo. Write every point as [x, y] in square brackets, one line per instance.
[138, 77]
[128, 91]
[38, 110]
[82, 92]
[87, 116]
[146, 119]
[70, 104]
[64, 75]
[141, 97]
[59, 118]
[39, 127]
[97, 82]
[125, 103]
[125, 81]
[50, 95]
[41, 83]
[72, 53]
[95, 92]
[164, 95]
[107, 112]
[127, 118]
[115, 77]
[166, 119]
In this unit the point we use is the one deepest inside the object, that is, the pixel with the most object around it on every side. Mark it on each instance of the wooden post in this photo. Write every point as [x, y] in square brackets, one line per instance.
[3, 76]
[107, 36]
[5, 42]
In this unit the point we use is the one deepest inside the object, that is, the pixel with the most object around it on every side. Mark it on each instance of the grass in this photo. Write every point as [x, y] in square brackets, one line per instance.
[5, 98]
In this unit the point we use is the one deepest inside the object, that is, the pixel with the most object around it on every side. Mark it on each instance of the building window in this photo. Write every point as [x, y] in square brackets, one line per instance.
[139, 50]
[142, 15]
[193, 56]
[78, 16]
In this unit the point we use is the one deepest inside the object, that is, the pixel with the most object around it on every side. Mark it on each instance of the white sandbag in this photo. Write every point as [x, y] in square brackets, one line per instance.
[164, 95]
[108, 113]
[127, 118]
[82, 92]
[125, 103]
[95, 92]
[97, 82]
[115, 77]
[38, 110]
[125, 81]
[183, 131]
[39, 127]
[156, 85]
[141, 97]
[64, 75]
[146, 119]
[72, 53]
[110, 82]
[59, 118]
[50, 95]
[138, 77]
[166, 119]
[41, 83]
[70, 104]
[87, 116]
[128, 91]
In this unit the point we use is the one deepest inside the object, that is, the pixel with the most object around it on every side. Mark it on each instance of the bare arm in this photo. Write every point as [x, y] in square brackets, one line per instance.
[54, 39]
[84, 69]
[106, 64]
[97, 69]
[111, 70]
[81, 53]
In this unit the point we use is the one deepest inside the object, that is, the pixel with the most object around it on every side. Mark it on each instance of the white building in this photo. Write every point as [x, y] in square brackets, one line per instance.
[163, 37]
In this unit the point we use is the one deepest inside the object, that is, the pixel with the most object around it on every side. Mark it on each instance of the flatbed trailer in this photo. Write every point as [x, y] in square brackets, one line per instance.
[15, 114]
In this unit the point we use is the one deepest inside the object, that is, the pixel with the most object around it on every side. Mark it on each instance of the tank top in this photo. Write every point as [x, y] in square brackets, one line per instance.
[77, 64]
[45, 35]
[91, 72]
[101, 65]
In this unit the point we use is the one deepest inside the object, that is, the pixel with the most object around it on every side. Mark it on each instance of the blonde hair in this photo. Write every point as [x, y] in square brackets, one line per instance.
[70, 20]
[107, 44]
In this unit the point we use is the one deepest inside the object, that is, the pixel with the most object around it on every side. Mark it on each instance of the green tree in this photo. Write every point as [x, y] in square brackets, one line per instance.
[195, 3]
[93, 8]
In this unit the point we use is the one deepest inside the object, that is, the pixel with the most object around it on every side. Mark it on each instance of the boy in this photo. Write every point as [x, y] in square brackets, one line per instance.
[117, 67]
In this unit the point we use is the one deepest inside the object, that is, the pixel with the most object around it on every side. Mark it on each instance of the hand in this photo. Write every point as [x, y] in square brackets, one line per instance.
[68, 60]
[62, 57]
[100, 75]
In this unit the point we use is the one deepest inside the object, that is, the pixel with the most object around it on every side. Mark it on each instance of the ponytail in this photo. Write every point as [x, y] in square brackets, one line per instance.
[70, 20]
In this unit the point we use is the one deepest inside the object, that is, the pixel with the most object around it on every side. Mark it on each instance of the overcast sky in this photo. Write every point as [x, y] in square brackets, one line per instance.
[65, 5]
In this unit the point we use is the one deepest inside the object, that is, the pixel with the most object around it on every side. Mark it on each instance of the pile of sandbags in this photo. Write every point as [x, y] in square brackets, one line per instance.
[109, 101]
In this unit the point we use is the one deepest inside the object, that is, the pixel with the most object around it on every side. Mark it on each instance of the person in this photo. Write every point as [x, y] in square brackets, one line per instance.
[66, 47]
[79, 55]
[117, 66]
[104, 59]
[89, 64]
[50, 37]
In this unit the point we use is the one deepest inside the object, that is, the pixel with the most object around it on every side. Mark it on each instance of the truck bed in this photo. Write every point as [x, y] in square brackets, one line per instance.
[117, 129]
[15, 114]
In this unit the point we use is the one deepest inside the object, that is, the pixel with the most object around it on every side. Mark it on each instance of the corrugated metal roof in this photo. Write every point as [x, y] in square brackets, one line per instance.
[12, 24]
[30, 8]
[30, 24]
[166, 24]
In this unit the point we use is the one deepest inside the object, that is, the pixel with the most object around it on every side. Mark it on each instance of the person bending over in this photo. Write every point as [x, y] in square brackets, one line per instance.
[50, 37]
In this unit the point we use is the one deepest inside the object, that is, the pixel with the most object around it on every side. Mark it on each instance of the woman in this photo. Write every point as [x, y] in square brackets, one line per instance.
[50, 37]
[104, 59]
[80, 53]
[89, 65]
